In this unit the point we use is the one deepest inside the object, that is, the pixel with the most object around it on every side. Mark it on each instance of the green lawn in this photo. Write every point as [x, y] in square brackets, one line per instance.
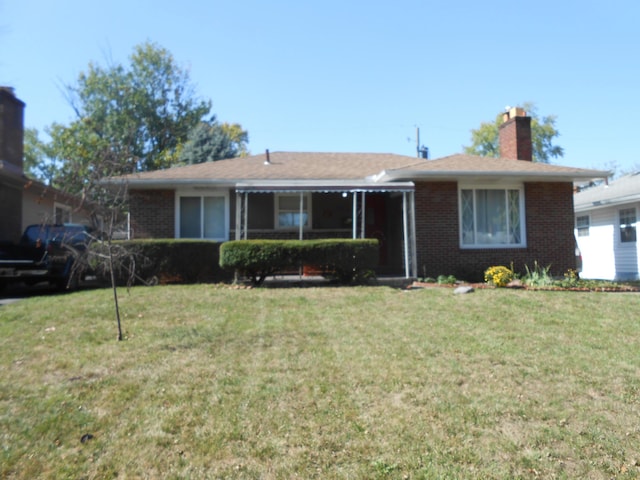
[356, 383]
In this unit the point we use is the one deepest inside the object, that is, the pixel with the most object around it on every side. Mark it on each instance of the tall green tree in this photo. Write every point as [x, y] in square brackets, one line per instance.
[211, 141]
[37, 164]
[239, 138]
[143, 112]
[485, 139]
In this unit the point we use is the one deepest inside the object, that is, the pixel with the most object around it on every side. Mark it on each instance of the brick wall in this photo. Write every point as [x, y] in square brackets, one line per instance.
[152, 213]
[549, 227]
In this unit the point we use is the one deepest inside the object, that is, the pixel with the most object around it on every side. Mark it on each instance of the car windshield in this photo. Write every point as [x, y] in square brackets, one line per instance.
[68, 234]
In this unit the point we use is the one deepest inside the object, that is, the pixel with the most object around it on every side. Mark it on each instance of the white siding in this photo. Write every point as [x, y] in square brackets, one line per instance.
[603, 255]
[40, 207]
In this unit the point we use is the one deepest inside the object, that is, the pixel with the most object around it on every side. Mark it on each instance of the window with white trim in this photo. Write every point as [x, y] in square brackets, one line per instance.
[202, 217]
[582, 225]
[627, 225]
[61, 213]
[492, 217]
[288, 212]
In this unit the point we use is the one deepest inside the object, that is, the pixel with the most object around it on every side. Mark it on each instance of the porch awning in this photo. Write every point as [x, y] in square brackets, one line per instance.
[328, 186]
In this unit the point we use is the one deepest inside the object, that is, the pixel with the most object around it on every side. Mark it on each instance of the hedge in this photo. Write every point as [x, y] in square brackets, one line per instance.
[164, 261]
[346, 261]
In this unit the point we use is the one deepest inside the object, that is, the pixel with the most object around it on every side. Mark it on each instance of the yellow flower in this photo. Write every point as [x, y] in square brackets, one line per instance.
[499, 276]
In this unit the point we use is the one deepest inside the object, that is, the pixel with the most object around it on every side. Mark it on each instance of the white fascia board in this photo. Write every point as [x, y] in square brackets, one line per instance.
[389, 176]
[321, 186]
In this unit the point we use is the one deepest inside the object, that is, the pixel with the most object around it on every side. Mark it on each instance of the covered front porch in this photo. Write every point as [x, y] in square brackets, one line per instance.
[315, 210]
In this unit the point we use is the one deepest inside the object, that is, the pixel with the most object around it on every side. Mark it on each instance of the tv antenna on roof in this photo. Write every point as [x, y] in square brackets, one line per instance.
[422, 151]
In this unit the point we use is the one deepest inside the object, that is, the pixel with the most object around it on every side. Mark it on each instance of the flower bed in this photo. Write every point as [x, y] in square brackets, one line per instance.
[588, 286]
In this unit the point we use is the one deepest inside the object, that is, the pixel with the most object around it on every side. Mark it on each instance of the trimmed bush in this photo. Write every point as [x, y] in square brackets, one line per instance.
[346, 261]
[165, 261]
[259, 259]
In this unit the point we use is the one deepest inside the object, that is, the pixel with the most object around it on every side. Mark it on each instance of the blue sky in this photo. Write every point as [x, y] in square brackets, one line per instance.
[355, 76]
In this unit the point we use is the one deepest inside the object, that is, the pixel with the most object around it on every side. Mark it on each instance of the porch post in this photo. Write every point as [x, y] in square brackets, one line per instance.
[238, 225]
[354, 217]
[405, 231]
[301, 221]
[412, 220]
[362, 215]
[246, 215]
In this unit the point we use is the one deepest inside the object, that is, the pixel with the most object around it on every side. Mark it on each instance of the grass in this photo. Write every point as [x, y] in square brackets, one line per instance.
[369, 382]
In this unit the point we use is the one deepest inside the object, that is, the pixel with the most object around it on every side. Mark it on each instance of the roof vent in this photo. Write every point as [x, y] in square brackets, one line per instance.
[267, 160]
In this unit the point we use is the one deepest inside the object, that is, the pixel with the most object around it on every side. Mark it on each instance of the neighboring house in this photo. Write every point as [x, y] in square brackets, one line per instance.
[24, 201]
[44, 204]
[606, 219]
[455, 215]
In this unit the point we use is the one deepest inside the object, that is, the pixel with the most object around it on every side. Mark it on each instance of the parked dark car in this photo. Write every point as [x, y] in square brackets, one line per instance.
[46, 253]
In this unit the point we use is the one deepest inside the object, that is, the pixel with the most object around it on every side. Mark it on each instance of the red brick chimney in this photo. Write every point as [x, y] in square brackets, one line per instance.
[12, 178]
[515, 135]
[11, 130]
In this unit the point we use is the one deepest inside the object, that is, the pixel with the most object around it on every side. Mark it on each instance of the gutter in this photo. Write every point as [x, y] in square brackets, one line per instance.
[164, 183]
[611, 202]
[394, 175]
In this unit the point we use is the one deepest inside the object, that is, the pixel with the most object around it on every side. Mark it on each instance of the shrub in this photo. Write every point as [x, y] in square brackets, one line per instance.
[346, 261]
[165, 261]
[498, 276]
[258, 259]
[446, 279]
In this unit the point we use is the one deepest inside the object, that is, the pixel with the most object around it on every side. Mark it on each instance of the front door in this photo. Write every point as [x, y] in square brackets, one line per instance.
[376, 224]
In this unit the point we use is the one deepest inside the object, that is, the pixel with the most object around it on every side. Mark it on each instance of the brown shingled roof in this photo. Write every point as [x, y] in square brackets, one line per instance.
[463, 162]
[293, 166]
[284, 166]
